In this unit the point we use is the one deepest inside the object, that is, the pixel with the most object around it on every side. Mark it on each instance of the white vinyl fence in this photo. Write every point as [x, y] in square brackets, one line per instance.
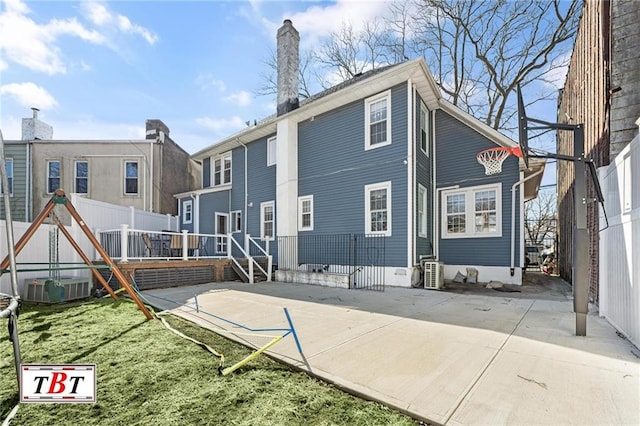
[620, 242]
[97, 215]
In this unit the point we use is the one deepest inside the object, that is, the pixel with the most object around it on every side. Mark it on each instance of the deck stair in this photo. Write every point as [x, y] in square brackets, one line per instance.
[242, 269]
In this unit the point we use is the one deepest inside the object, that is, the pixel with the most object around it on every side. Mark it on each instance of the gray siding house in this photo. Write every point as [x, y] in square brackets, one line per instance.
[382, 155]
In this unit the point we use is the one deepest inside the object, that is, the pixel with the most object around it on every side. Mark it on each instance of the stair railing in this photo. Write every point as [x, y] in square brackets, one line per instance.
[269, 258]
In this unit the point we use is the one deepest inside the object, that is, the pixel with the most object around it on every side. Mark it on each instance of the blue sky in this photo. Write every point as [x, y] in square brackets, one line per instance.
[98, 70]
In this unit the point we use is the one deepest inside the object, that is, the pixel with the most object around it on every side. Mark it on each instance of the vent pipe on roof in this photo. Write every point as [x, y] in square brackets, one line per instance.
[288, 56]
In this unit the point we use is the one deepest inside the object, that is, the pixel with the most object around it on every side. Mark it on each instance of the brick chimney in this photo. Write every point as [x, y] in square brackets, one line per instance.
[288, 63]
[33, 128]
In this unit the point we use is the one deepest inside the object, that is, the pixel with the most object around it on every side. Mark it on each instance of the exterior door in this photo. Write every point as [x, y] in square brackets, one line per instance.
[222, 228]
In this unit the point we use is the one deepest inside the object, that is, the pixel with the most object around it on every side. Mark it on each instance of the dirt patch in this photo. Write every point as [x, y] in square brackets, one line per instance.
[535, 285]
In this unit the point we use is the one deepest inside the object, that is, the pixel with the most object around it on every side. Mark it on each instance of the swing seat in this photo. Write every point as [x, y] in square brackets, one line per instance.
[55, 290]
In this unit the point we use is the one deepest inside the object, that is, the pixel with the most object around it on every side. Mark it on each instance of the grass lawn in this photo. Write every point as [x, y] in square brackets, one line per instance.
[148, 375]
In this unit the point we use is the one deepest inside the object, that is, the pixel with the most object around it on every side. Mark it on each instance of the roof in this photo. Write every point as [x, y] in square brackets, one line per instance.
[363, 85]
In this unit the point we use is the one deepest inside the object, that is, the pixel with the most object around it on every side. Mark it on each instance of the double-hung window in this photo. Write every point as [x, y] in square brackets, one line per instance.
[305, 213]
[422, 211]
[81, 181]
[377, 120]
[272, 143]
[53, 176]
[267, 220]
[8, 162]
[187, 212]
[222, 170]
[472, 212]
[377, 198]
[131, 175]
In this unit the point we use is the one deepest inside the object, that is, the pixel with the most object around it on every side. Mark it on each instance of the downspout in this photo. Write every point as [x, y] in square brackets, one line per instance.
[151, 209]
[434, 203]
[513, 217]
[195, 213]
[27, 201]
[411, 159]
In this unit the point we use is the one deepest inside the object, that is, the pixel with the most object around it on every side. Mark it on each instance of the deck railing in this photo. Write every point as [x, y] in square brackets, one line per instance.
[126, 244]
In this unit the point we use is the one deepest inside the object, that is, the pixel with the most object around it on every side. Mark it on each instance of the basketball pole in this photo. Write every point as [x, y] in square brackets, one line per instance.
[580, 254]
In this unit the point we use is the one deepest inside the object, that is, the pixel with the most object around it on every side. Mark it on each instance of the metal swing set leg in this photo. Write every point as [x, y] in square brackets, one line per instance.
[59, 197]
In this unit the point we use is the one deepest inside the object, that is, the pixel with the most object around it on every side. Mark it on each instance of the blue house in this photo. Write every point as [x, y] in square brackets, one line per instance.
[382, 156]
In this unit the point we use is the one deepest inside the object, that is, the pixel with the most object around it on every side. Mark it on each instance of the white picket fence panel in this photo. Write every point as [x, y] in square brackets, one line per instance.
[620, 242]
[97, 215]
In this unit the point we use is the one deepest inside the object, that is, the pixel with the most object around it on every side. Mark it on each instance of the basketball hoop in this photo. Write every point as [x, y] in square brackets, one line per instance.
[493, 158]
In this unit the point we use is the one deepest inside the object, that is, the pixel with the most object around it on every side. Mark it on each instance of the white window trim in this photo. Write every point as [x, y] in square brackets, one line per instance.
[367, 120]
[234, 215]
[367, 208]
[75, 176]
[424, 126]
[124, 180]
[271, 161]
[263, 206]
[212, 172]
[301, 200]
[186, 203]
[422, 224]
[469, 193]
[49, 176]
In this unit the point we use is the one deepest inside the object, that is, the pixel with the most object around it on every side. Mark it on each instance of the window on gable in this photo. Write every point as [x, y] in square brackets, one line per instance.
[187, 212]
[472, 212]
[8, 162]
[131, 177]
[81, 184]
[305, 213]
[267, 220]
[271, 151]
[222, 170]
[378, 121]
[424, 129]
[236, 221]
[378, 208]
[53, 176]
[422, 211]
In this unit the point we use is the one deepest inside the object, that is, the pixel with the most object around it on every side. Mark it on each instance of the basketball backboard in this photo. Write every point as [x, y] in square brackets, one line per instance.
[522, 130]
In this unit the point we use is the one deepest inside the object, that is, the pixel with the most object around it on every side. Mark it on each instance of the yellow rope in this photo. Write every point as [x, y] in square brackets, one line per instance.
[204, 345]
[250, 357]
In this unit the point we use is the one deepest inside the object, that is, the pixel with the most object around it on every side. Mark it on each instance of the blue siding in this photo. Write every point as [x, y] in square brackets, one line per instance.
[457, 146]
[17, 202]
[206, 172]
[188, 226]
[424, 176]
[261, 184]
[334, 167]
[210, 204]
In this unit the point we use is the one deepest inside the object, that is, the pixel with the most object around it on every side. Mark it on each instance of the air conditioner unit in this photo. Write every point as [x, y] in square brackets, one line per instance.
[433, 274]
[34, 290]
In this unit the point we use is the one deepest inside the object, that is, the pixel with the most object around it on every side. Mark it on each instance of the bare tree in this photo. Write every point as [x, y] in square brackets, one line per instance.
[540, 218]
[306, 75]
[478, 50]
[487, 48]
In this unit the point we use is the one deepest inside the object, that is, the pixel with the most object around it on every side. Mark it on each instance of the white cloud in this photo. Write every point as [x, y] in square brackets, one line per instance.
[29, 95]
[100, 15]
[208, 81]
[89, 128]
[317, 22]
[241, 98]
[3, 65]
[556, 73]
[221, 125]
[33, 45]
